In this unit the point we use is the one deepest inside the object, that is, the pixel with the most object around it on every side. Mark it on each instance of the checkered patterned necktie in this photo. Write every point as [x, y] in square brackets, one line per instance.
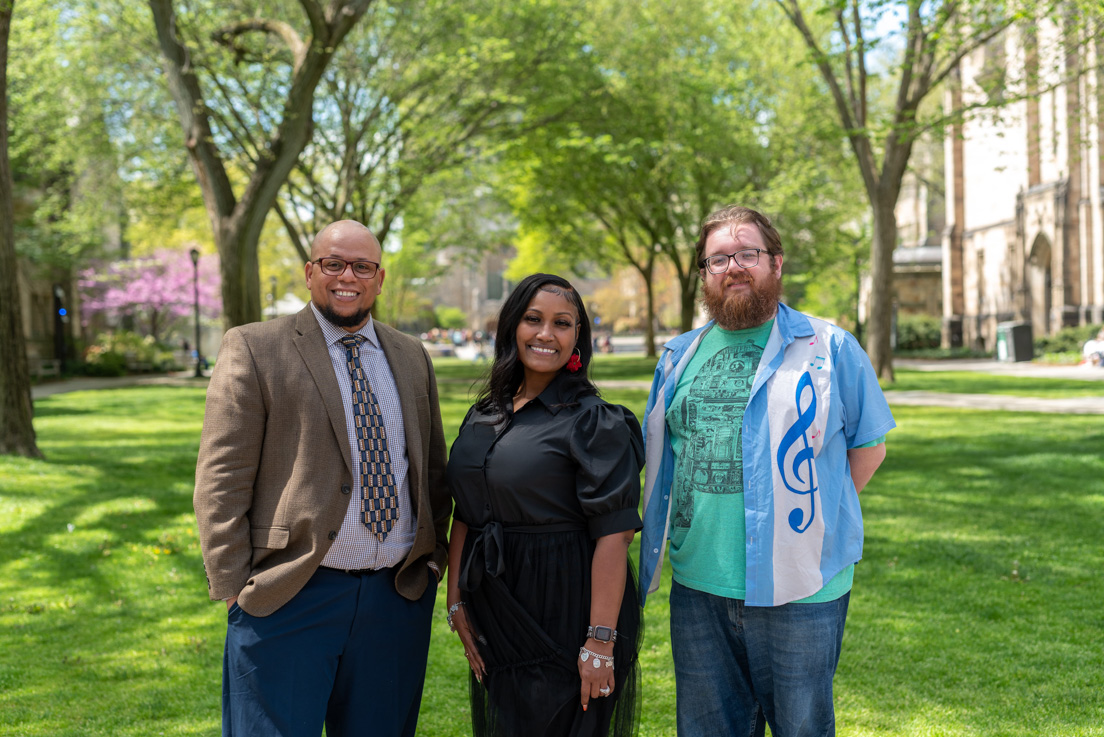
[377, 483]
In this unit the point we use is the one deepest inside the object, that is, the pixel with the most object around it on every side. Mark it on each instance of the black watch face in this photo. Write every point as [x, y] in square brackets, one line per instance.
[603, 634]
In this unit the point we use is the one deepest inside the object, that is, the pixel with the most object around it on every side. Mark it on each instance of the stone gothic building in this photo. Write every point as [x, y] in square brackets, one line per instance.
[1024, 233]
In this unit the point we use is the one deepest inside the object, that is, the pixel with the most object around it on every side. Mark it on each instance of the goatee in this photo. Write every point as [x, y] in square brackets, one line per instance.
[733, 311]
[344, 321]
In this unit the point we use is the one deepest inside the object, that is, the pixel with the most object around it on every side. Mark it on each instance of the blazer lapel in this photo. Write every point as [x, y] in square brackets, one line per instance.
[312, 347]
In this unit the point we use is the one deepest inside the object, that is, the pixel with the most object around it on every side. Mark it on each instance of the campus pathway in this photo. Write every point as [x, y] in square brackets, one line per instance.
[89, 383]
[1074, 405]
[1070, 405]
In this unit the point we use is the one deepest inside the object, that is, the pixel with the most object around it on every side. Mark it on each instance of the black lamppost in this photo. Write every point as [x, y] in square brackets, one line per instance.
[195, 289]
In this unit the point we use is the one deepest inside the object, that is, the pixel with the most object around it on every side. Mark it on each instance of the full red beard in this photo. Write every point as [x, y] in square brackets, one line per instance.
[734, 311]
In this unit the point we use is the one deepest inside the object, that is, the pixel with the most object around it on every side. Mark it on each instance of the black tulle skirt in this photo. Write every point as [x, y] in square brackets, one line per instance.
[534, 615]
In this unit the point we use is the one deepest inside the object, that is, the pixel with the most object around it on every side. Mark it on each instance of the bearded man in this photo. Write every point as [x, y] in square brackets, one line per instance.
[762, 427]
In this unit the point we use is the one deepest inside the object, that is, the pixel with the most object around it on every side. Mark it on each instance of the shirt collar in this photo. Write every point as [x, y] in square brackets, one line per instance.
[333, 334]
[556, 395]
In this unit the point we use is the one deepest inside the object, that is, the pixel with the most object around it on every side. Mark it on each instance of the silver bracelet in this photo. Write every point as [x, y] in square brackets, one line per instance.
[448, 617]
[585, 655]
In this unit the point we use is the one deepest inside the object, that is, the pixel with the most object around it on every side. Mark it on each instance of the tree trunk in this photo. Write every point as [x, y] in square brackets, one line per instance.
[17, 435]
[240, 271]
[688, 300]
[647, 274]
[649, 299]
[879, 321]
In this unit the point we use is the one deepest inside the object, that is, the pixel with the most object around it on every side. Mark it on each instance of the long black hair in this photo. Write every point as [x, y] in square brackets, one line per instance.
[507, 370]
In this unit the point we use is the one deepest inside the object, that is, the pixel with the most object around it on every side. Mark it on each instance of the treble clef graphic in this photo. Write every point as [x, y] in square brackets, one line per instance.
[803, 456]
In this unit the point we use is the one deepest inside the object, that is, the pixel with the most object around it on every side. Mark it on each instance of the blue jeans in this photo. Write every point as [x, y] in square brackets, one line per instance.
[737, 665]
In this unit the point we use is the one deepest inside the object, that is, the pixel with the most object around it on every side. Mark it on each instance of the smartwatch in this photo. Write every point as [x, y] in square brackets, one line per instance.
[602, 634]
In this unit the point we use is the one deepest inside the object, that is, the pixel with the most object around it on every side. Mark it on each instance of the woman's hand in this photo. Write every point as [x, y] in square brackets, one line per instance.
[469, 638]
[607, 585]
[460, 621]
[597, 682]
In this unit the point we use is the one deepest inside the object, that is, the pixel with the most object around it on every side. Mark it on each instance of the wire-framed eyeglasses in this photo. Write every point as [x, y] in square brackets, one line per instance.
[718, 263]
[336, 267]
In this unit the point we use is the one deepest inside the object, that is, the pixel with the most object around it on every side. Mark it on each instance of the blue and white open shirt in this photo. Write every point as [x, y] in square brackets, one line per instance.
[815, 395]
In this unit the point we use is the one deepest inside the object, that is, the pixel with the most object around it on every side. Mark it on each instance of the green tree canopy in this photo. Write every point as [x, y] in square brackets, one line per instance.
[674, 115]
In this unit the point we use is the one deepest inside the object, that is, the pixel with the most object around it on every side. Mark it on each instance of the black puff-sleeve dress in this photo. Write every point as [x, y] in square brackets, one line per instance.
[536, 491]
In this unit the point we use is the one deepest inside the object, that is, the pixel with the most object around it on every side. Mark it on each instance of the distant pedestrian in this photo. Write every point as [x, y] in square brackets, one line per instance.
[1093, 350]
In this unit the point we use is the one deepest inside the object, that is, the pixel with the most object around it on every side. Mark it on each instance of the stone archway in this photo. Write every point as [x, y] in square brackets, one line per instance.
[1039, 292]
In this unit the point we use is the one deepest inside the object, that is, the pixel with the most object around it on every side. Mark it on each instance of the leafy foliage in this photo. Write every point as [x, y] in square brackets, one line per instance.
[451, 318]
[116, 353]
[916, 332]
[63, 159]
[674, 115]
[416, 91]
[1066, 340]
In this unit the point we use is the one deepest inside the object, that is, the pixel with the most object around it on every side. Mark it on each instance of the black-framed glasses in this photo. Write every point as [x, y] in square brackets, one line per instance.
[336, 267]
[718, 263]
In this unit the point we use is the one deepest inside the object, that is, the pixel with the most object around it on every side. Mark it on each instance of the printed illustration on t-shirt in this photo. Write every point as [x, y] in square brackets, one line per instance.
[709, 417]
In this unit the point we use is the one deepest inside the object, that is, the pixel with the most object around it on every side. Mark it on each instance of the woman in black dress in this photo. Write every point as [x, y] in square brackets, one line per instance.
[546, 478]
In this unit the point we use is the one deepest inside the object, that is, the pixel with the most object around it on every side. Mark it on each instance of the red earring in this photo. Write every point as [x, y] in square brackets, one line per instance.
[575, 362]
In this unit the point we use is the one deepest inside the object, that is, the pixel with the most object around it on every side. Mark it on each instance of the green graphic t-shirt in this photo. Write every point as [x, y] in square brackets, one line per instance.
[707, 521]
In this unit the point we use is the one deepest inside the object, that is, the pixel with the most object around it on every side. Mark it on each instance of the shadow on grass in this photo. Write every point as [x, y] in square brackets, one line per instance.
[103, 581]
[978, 583]
[56, 410]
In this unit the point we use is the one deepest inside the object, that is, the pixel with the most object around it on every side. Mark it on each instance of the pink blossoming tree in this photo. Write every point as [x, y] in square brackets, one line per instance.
[154, 290]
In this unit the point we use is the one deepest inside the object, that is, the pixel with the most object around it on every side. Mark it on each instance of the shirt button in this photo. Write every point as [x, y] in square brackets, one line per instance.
[333, 535]
[346, 489]
[655, 550]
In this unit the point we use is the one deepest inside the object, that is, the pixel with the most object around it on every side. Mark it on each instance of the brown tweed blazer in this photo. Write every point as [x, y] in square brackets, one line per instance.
[274, 472]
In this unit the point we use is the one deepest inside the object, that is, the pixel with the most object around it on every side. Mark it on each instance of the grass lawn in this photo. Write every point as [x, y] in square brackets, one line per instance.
[978, 609]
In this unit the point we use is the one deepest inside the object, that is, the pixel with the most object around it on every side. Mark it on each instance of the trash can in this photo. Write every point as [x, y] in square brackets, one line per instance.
[1014, 342]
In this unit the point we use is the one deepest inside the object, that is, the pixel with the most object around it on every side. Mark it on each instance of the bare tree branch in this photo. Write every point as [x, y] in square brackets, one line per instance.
[229, 37]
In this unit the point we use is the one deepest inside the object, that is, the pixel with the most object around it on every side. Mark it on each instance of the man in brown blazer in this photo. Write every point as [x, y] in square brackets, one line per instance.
[322, 508]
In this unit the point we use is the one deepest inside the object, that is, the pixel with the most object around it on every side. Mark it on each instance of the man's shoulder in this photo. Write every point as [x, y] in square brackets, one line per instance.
[263, 331]
[801, 324]
[682, 341]
[398, 345]
[276, 325]
[388, 333]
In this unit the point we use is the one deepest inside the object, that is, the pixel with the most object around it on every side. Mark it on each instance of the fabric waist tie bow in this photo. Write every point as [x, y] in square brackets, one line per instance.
[488, 553]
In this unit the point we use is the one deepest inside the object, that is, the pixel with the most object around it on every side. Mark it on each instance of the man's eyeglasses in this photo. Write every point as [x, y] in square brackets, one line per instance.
[336, 267]
[718, 263]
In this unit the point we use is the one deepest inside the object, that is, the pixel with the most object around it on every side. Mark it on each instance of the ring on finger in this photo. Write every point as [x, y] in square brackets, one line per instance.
[604, 690]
